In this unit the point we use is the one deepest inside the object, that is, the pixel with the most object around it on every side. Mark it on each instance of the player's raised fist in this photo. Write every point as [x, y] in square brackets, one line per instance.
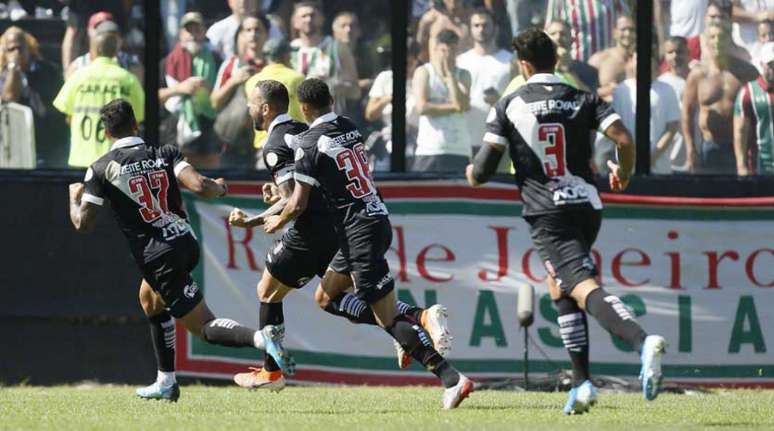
[237, 218]
[618, 183]
[76, 191]
[272, 224]
[221, 182]
[270, 193]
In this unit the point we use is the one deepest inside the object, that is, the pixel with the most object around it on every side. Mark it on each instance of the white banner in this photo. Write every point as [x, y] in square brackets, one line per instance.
[701, 276]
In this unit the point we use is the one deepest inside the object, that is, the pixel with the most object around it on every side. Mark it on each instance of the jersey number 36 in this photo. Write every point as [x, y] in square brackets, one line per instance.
[354, 163]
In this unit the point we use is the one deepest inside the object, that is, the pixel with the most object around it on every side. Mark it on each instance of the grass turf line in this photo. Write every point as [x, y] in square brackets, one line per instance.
[357, 408]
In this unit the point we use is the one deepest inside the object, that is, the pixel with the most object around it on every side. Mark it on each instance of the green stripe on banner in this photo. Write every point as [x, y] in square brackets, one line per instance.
[504, 209]
[369, 363]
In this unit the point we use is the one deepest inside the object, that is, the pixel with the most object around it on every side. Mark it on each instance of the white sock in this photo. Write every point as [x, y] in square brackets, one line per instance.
[258, 340]
[166, 378]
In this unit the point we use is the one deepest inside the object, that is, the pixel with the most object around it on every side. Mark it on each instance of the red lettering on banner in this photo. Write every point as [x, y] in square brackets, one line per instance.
[674, 263]
[525, 267]
[244, 242]
[401, 252]
[618, 262]
[502, 254]
[422, 257]
[713, 263]
[749, 267]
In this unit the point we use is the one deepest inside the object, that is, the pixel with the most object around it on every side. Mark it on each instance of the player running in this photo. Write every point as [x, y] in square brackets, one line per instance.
[141, 183]
[547, 125]
[331, 157]
[308, 246]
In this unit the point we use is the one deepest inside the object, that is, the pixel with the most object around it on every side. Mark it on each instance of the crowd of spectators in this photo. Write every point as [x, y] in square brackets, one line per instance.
[712, 108]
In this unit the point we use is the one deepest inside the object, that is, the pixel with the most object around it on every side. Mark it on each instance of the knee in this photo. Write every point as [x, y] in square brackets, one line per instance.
[321, 298]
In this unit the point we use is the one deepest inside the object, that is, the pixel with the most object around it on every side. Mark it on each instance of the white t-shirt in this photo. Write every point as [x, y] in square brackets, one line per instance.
[222, 34]
[664, 109]
[485, 71]
[443, 134]
[746, 34]
[687, 17]
[677, 155]
[382, 87]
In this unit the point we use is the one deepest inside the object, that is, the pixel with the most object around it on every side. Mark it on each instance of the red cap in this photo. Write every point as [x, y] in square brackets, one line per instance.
[98, 17]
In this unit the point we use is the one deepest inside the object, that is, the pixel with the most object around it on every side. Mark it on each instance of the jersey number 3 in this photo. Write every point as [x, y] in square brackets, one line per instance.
[354, 163]
[150, 208]
[551, 137]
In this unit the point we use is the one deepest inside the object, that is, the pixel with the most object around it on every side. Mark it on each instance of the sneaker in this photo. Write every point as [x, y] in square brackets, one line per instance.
[259, 378]
[272, 337]
[581, 398]
[158, 392]
[452, 397]
[434, 321]
[404, 360]
[650, 374]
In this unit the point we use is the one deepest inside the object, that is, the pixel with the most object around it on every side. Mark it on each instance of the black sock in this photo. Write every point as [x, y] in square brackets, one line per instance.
[613, 315]
[410, 310]
[227, 332]
[574, 330]
[270, 313]
[417, 343]
[353, 308]
[162, 329]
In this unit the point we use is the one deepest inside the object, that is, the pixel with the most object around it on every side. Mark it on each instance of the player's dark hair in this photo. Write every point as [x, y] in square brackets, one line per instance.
[447, 37]
[315, 93]
[535, 47]
[275, 94]
[118, 118]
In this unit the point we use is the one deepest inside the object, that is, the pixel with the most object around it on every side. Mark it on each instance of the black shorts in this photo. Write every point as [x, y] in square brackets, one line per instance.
[170, 276]
[302, 252]
[362, 256]
[564, 242]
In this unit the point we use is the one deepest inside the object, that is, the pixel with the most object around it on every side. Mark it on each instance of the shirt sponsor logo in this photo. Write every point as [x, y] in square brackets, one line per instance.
[143, 166]
[553, 105]
[190, 290]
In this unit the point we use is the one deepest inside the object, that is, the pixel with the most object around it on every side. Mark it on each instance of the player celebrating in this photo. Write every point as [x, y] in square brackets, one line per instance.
[308, 246]
[141, 183]
[331, 156]
[546, 126]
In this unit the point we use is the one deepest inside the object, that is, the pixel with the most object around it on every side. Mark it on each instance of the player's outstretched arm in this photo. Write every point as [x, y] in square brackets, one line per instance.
[82, 214]
[294, 207]
[204, 187]
[240, 218]
[621, 173]
[485, 164]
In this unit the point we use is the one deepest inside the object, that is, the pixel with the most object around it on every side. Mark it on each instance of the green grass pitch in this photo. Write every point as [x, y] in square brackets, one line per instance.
[370, 408]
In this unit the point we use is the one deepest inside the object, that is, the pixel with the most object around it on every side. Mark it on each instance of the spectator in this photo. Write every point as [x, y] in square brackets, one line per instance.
[222, 34]
[127, 61]
[232, 125]
[765, 35]
[74, 42]
[380, 107]
[719, 13]
[754, 115]
[276, 53]
[576, 74]
[90, 88]
[676, 61]
[614, 63]
[442, 93]
[681, 18]
[591, 23]
[27, 79]
[311, 54]
[346, 87]
[664, 115]
[190, 73]
[502, 22]
[711, 89]
[445, 15]
[490, 73]
[526, 13]
[746, 16]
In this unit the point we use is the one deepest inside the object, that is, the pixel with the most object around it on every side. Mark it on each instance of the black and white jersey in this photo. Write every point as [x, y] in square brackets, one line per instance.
[332, 157]
[140, 183]
[279, 157]
[548, 127]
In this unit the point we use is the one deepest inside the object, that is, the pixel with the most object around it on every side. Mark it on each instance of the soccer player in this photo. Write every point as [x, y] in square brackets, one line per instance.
[308, 246]
[546, 127]
[331, 157]
[141, 183]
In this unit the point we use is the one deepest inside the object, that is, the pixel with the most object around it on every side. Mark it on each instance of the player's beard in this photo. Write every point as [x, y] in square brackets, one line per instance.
[258, 123]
